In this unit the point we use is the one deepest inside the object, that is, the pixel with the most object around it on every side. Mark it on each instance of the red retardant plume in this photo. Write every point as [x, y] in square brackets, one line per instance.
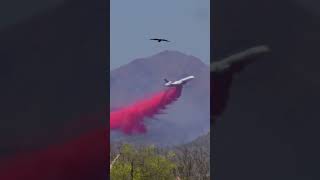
[130, 119]
[85, 157]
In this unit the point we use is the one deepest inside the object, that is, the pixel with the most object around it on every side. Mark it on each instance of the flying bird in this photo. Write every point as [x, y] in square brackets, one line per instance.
[223, 72]
[159, 40]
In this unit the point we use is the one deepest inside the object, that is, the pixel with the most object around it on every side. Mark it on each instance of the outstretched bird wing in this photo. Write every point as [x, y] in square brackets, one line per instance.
[159, 40]
[237, 62]
[223, 72]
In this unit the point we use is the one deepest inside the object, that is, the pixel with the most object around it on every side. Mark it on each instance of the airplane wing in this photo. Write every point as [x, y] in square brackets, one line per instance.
[183, 79]
[187, 78]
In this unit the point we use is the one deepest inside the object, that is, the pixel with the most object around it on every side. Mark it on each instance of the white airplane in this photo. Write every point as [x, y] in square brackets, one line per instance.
[180, 82]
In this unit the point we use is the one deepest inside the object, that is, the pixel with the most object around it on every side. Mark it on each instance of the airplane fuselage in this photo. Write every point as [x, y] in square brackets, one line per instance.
[180, 82]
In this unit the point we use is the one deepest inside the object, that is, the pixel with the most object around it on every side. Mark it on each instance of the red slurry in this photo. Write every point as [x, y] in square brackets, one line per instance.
[130, 119]
[86, 157]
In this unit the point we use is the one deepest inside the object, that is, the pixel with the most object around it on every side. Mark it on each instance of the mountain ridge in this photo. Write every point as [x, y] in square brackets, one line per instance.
[143, 77]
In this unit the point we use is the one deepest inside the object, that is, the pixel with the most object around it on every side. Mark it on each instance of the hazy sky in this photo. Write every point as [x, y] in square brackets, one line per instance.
[133, 22]
[16, 11]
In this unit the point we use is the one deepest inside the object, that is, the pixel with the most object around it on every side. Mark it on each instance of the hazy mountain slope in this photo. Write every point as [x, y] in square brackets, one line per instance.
[52, 71]
[187, 118]
[270, 129]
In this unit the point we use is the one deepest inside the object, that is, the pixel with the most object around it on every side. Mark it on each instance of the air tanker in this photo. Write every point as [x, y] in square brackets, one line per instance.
[180, 82]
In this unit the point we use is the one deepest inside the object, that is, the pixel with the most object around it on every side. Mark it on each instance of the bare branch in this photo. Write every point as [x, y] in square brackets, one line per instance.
[114, 160]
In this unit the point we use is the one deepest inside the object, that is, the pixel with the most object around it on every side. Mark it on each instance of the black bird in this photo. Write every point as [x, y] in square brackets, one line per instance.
[223, 72]
[159, 40]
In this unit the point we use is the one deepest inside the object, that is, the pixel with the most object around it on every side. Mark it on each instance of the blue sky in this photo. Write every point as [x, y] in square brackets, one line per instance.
[133, 22]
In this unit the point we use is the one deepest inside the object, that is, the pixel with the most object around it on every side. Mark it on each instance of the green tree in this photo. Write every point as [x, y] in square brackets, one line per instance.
[143, 163]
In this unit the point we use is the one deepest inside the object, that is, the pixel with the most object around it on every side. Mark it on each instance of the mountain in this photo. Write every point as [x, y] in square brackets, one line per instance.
[187, 118]
[201, 141]
[52, 72]
[270, 129]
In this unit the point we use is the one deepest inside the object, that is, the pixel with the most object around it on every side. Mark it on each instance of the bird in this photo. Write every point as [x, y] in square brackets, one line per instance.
[223, 72]
[159, 40]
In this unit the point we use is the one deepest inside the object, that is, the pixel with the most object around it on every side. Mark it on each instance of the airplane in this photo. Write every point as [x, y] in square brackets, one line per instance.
[180, 82]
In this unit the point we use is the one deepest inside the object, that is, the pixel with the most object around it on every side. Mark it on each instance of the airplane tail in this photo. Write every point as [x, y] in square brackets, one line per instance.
[165, 80]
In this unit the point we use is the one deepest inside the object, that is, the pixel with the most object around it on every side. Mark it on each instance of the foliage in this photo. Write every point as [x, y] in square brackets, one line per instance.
[144, 163]
[140, 162]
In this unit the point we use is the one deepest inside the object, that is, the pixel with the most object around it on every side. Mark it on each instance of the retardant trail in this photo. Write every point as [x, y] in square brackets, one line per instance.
[130, 119]
[85, 157]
